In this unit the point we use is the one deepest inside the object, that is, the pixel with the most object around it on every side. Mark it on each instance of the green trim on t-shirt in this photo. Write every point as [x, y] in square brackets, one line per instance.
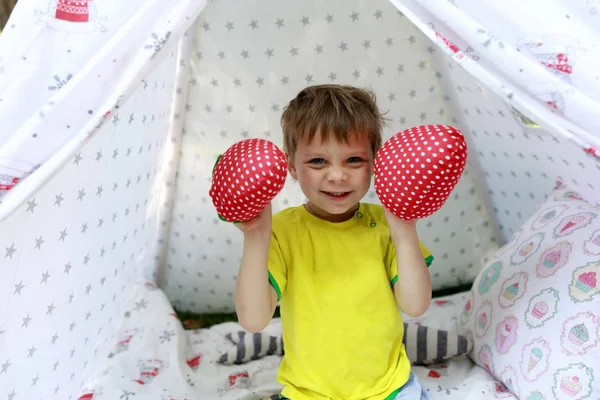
[275, 285]
[393, 395]
[428, 262]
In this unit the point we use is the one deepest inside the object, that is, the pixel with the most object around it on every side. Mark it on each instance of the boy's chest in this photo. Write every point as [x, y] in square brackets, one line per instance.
[339, 267]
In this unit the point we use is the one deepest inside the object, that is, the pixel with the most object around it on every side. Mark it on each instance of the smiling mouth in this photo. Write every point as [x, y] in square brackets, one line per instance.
[337, 195]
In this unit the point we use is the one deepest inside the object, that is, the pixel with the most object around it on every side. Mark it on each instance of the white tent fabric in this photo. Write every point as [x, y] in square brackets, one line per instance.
[238, 89]
[92, 68]
[541, 56]
[112, 126]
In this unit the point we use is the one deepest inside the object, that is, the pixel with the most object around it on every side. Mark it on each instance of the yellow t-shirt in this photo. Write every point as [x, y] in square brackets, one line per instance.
[342, 329]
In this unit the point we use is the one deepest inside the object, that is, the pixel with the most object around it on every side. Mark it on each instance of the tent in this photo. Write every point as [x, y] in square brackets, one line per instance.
[113, 114]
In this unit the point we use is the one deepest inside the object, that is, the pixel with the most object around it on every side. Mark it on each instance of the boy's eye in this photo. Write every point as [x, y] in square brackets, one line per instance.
[317, 161]
[355, 159]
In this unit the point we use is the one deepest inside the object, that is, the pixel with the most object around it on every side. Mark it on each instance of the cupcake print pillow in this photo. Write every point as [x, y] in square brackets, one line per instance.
[534, 309]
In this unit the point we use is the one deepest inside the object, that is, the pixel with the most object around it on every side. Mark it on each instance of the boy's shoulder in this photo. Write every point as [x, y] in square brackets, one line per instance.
[375, 210]
[286, 216]
[288, 212]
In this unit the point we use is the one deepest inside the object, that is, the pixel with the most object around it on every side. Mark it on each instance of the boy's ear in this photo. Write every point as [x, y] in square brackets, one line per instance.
[291, 167]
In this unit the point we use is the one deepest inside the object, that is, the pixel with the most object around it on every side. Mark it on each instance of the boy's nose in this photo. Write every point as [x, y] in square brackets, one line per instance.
[337, 175]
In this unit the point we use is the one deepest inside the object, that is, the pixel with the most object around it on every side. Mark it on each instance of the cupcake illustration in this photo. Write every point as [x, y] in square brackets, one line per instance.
[548, 216]
[570, 385]
[511, 291]
[540, 309]
[579, 334]
[534, 358]
[586, 282]
[551, 259]
[526, 249]
[482, 320]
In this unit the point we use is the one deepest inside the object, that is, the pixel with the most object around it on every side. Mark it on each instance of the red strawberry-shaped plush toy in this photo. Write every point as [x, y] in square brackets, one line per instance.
[246, 178]
[416, 169]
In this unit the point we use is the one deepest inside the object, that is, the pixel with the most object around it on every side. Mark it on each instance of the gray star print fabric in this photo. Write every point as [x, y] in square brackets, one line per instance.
[112, 115]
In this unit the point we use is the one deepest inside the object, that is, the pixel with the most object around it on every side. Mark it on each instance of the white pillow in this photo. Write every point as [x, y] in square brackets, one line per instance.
[534, 309]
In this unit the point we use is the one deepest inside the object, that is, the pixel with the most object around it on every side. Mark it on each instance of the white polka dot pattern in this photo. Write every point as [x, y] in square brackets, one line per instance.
[417, 169]
[246, 178]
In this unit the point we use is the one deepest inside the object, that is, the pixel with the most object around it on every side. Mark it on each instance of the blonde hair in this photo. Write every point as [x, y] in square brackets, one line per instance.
[338, 110]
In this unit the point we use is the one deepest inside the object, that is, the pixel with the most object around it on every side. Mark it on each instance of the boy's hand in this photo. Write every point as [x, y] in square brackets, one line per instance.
[260, 223]
[397, 225]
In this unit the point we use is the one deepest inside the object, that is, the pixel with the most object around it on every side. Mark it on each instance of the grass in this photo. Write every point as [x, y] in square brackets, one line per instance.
[196, 321]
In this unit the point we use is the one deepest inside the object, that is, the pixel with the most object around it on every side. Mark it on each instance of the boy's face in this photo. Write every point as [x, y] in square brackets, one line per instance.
[333, 175]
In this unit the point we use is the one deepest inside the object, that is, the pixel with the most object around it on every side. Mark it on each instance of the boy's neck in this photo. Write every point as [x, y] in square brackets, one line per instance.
[331, 217]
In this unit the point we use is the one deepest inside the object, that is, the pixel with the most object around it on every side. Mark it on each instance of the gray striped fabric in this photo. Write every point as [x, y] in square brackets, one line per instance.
[424, 345]
[251, 346]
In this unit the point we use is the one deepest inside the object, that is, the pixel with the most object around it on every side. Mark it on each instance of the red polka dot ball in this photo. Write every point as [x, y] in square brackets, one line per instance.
[417, 169]
[246, 178]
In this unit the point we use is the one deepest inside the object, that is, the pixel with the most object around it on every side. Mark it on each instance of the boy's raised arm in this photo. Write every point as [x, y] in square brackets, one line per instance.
[413, 287]
[255, 298]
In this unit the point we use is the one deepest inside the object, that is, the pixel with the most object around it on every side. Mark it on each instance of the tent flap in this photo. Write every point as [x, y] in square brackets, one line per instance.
[52, 135]
[544, 68]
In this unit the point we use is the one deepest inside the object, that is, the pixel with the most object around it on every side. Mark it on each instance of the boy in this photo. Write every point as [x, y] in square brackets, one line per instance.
[339, 268]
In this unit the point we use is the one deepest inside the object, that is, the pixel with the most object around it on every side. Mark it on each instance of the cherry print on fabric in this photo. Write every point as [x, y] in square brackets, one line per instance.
[417, 169]
[575, 381]
[246, 178]
[535, 359]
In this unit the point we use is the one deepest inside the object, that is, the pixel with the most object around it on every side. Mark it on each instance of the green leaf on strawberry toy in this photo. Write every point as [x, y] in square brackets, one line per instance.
[246, 178]
[417, 169]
